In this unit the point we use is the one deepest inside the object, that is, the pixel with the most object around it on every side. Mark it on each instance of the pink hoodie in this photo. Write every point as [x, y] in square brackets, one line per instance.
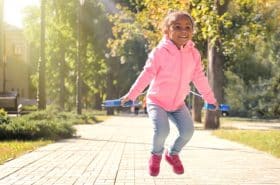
[169, 72]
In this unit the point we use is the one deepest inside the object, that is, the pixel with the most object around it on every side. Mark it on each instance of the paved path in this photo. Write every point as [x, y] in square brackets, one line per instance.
[116, 153]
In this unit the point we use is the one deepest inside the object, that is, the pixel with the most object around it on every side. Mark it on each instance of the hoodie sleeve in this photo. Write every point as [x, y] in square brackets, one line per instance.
[148, 73]
[201, 82]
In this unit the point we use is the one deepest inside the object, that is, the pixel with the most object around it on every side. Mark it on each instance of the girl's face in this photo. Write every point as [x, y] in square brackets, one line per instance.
[181, 31]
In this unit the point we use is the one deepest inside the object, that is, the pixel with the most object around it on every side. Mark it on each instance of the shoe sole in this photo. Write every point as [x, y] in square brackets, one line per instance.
[153, 174]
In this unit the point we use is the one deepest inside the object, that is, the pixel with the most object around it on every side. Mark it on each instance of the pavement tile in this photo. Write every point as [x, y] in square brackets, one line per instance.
[117, 151]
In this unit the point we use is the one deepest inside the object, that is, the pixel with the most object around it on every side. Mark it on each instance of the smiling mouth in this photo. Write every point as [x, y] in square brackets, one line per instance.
[183, 37]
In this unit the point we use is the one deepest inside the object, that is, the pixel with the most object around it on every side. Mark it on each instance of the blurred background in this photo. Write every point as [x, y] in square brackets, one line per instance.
[77, 53]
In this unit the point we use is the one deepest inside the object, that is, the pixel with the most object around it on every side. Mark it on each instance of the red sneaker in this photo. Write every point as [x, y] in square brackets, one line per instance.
[175, 161]
[154, 164]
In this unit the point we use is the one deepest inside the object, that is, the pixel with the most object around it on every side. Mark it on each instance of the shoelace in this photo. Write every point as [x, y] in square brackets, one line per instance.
[156, 160]
[176, 160]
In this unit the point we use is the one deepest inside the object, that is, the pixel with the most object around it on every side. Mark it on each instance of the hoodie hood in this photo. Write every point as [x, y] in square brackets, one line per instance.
[171, 47]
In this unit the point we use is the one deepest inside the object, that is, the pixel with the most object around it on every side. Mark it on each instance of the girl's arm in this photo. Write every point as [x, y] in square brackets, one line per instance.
[201, 82]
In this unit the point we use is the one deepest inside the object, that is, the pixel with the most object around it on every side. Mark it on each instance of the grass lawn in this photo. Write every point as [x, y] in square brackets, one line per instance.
[12, 149]
[268, 141]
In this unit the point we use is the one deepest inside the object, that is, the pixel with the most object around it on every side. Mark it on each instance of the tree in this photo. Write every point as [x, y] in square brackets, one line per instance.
[41, 67]
[211, 17]
[244, 37]
[59, 31]
[251, 53]
[2, 41]
[215, 67]
[78, 61]
[61, 51]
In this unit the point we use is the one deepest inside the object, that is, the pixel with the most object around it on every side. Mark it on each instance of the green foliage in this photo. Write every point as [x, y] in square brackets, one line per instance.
[31, 21]
[268, 99]
[132, 55]
[260, 99]
[133, 5]
[61, 49]
[25, 129]
[252, 49]
[113, 52]
[4, 119]
[49, 124]
[29, 108]
[235, 94]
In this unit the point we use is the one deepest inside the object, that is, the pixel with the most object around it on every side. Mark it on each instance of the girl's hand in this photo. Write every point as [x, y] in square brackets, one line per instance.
[217, 105]
[124, 99]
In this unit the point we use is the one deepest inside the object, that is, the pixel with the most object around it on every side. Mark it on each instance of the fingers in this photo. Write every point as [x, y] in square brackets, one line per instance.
[216, 106]
[124, 99]
[213, 107]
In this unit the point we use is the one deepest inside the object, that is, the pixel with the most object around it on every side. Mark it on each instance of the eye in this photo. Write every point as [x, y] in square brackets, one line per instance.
[181, 28]
[177, 27]
[188, 28]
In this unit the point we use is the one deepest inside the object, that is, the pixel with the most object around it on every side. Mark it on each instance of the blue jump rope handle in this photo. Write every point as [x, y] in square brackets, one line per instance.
[222, 107]
[117, 103]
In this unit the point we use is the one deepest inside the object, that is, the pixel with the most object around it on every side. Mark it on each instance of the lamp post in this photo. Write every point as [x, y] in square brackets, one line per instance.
[78, 62]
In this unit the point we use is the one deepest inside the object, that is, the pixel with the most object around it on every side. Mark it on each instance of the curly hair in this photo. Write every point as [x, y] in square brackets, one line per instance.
[172, 17]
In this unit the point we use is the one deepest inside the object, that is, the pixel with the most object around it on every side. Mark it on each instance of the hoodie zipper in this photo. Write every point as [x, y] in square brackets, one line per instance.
[180, 77]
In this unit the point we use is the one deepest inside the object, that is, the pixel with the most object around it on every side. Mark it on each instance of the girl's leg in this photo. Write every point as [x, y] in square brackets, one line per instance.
[161, 127]
[184, 124]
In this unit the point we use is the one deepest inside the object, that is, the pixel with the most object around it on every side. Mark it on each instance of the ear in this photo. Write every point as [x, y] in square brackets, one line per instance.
[165, 31]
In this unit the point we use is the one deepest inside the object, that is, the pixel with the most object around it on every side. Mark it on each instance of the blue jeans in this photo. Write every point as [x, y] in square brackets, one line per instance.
[183, 122]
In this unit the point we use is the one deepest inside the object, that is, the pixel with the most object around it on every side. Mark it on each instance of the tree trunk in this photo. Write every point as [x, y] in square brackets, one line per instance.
[196, 108]
[79, 62]
[215, 76]
[98, 101]
[41, 96]
[83, 57]
[62, 80]
[110, 90]
[112, 73]
[2, 30]
[215, 71]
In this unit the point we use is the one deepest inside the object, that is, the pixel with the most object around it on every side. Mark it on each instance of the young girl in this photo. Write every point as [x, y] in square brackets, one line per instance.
[169, 70]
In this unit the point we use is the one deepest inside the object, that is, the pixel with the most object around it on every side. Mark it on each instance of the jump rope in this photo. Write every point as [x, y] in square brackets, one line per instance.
[130, 103]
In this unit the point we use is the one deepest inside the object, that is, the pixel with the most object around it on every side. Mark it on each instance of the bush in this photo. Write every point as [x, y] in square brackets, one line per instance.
[260, 99]
[25, 129]
[53, 112]
[4, 119]
[48, 124]
[29, 108]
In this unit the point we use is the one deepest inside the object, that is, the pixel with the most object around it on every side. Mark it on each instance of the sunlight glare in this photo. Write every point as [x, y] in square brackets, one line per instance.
[13, 14]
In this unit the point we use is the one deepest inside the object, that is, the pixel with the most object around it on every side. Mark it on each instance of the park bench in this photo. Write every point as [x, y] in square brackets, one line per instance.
[9, 102]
